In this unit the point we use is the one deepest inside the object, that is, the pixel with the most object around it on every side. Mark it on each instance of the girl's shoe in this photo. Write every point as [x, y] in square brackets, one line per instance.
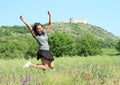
[27, 64]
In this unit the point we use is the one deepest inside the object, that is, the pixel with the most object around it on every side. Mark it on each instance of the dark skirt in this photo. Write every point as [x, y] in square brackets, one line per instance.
[44, 53]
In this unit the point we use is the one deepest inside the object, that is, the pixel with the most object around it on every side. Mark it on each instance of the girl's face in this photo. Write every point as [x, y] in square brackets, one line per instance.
[39, 29]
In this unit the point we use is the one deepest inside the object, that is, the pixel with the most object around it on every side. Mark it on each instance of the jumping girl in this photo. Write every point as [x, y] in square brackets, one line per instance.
[41, 37]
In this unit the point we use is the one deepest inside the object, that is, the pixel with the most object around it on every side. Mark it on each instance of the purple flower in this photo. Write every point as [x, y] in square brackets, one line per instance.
[22, 80]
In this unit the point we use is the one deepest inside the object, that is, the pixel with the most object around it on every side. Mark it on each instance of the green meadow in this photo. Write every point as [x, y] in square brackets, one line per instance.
[101, 68]
[91, 70]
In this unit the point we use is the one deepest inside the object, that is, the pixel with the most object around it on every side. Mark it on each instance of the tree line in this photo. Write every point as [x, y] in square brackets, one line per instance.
[16, 42]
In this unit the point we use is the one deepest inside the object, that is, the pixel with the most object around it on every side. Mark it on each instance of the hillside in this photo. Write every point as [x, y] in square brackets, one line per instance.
[72, 29]
[16, 41]
[76, 30]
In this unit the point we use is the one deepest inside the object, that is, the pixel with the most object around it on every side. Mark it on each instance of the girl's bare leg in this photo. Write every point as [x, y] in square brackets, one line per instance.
[51, 64]
[43, 66]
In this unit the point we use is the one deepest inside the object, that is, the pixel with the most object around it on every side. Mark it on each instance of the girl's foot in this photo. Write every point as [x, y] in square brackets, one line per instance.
[27, 64]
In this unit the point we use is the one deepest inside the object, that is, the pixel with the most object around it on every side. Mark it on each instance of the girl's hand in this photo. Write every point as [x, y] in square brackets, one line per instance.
[49, 13]
[21, 17]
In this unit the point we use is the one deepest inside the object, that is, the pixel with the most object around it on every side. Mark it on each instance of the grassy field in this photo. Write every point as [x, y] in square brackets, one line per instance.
[95, 70]
[110, 52]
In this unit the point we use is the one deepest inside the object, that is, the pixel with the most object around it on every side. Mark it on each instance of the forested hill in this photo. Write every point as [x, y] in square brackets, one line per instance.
[77, 29]
[16, 41]
[72, 29]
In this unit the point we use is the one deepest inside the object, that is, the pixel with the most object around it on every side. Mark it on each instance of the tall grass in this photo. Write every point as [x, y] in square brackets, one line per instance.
[95, 70]
[110, 52]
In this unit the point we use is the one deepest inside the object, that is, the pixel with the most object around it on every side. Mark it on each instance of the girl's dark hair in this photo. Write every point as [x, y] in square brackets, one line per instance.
[34, 28]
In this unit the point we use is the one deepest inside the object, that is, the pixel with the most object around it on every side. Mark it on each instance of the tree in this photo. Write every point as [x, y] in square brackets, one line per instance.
[118, 46]
[88, 45]
[14, 48]
[62, 44]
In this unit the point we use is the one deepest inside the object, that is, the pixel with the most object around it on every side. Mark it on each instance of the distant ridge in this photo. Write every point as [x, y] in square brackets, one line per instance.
[72, 29]
[79, 29]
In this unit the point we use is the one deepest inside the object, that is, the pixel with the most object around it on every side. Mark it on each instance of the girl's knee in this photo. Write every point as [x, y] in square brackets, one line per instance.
[51, 66]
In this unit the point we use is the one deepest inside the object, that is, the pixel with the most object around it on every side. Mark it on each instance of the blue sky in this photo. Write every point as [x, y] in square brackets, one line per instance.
[102, 13]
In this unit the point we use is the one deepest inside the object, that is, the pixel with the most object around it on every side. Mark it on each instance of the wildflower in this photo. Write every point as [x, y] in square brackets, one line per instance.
[87, 76]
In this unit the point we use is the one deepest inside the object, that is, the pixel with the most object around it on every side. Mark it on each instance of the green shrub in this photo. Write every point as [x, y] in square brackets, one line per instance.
[88, 45]
[118, 46]
[61, 44]
[32, 49]
[14, 48]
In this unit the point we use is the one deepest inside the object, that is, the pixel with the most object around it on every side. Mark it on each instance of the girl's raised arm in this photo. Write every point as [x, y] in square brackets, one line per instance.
[27, 24]
[50, 22]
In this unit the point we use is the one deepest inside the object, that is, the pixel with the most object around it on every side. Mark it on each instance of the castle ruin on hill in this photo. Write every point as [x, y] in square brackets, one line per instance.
[74, 20]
